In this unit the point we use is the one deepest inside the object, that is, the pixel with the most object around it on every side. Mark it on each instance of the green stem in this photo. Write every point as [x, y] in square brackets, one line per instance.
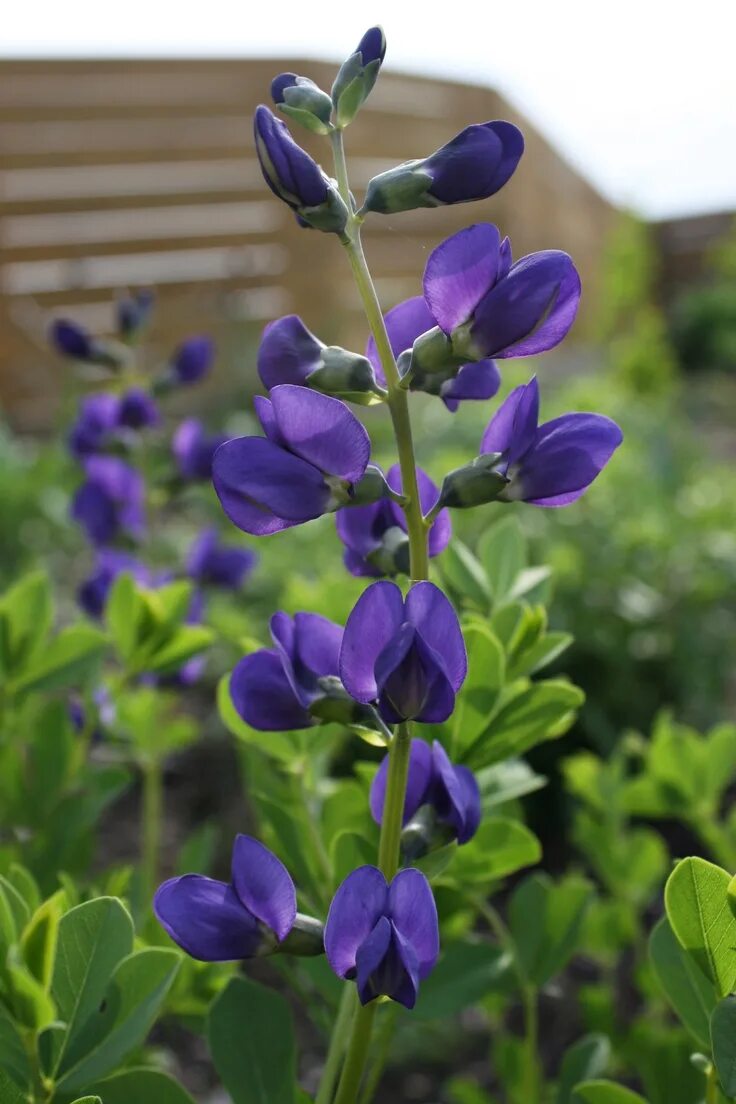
[151, 814]
[385, 1034]
[712, 1091]
[389, 849]
[336, 1052]
[360, 1041]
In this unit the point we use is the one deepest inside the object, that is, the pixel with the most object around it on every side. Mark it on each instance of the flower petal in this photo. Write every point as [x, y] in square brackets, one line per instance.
[449, 791]
[476, 163]
[375, 618]
[253, 471]
[480, 380]
[206, 919]
[321, 430]
[360, 528]
[433, 615]
[460, 272]
[414, 914]
[386, 965]
[513, 428]
[471, 797]
[420, 773]
[531, 309]
[404, 324]
[288, 352]
[568, 454]
[263, 696]
[264, 885]
[441, 531]
[310, 648]
[356, 908]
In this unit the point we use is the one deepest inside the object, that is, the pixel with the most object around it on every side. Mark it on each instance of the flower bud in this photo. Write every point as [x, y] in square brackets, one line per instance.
[305, 939]
[133, 313]
[293, 176]
[73, 341]
[303, 101]
[392, 556]
[474, 484]
[474, 165]
[372, 487]
[357, 76]
[347, 376]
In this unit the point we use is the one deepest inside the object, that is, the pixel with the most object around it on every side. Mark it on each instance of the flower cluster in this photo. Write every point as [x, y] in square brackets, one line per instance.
[400, 659]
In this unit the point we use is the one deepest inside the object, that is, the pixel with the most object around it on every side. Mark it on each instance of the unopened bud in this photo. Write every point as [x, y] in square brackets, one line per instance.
[302, 100]
[357, 76]
[474, 484]
[347, 376]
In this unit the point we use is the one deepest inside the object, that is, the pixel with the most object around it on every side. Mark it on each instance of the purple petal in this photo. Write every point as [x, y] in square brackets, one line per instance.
[206, 919]
[449, 792]
[420, 773]
[460, 272]
[476, 163]
[360, 528]
[264, 885]
[138, 409]
[414, 914]
[253, 472]
[411, 679]
[433, 615]
[291, 170]
[356, 908]
[322, 430]
[568, 453]
[513, 428]
[310, 649]
[441, 531]
[479, 381]
[372, 46]
[72, 340]
[263, 696]
[471, 798]
[404, 324]
[210, 562]
[531, 309]
[193, 359]
[288, 352]
[375, 618]
[386, 965]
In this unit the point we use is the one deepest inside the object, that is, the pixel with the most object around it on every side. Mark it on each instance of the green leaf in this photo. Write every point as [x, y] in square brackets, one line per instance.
[141, 1086]
[687, 989]
[256, 1065]
[507, 781]
[87, 1100]
[280, 745]
[697, 906]
[13, 914]
[464, 576]
[502, 552]
[538, 711]
[40, 937]
[348, 851]
[541, 653]
[50, 1045]
[184, 642]
[465, 974]
[24, 882]
[131, 1002]
[605, 1092]
[28, 999]
[125, 613]
[29, 611]
[68, 660]
[478, 696]
[10, 1092]
[92, 939]
[723, 1035]
[587, 1058]
[499, 848]
[545, 918]
[13, 1054]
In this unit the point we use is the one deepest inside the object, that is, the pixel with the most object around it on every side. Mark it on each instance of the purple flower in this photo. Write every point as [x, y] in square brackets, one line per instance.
[313, 453]
[75, 342]
[208, 561]
[226, 921]
[357, 75]
[133, 312]
[475, 164]
[551, 464]
[194, 449]
[485, 306]
[293, 176]
[408, 321]
[93, 593]
[406, 655]
[275, 689]
[110, 501]
[289, 353]
[385, 937]
[138, 409]
[375, 535]
[302, 100]
[96, 423]
[192, 360]
[452, 791]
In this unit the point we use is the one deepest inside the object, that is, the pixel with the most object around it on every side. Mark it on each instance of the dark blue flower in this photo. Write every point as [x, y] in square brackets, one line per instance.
[406, 655]
[111, 500]
[192, 360]
[208, 561]
[433, 780]
[274, 689]
[96, 424]
[357, 75]
[133, 312]
[227, 921]
[385, 937]
[552, 464]
[194, 449]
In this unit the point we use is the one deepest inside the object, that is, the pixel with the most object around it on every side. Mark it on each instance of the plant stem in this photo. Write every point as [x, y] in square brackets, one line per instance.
[151, 813]
[712, 1093]
[390, 841]
[345, 1014]
[384, 1036]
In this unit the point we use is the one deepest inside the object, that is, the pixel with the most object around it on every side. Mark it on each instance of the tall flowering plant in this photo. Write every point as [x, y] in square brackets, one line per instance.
[401, 660]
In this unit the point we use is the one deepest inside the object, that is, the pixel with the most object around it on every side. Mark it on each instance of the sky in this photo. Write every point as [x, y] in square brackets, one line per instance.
[638, 94]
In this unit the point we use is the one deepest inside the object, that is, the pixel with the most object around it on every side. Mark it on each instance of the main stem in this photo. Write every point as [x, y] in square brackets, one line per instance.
[398, 768]
[151, 813]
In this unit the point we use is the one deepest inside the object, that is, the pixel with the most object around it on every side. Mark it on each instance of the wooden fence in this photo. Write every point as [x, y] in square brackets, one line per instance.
[143, 173]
